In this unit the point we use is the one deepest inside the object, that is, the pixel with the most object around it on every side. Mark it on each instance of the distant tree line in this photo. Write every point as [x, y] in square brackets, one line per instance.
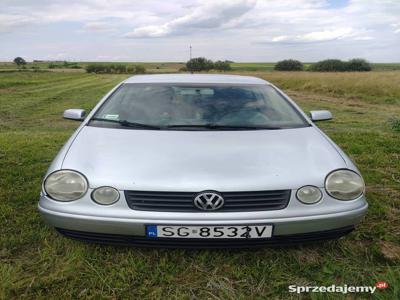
[327, 65]
[64, 65]
[200, 64]
[115, 69]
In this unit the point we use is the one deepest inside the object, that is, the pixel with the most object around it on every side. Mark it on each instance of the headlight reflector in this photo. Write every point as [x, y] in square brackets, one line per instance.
[344, 185]
[105, 195]
[65, 185]
[309, 194]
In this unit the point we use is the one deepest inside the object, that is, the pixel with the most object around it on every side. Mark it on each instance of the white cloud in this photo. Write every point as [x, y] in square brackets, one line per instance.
[327, 35]
[8, 22]
[208, 15]
[321, 36]
[24, 12]
[396, 27]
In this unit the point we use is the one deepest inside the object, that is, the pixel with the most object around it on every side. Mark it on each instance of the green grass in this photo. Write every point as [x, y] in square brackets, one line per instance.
[386, 66]
[35, 262]
[253, 66]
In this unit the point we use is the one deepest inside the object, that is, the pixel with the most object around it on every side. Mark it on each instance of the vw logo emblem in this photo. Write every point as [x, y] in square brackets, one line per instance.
[209, 201]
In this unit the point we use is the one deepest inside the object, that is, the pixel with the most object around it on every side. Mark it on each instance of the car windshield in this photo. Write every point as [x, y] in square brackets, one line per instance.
[210, 107]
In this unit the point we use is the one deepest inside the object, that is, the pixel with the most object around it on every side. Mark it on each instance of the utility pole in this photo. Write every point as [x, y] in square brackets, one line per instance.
[190, 52]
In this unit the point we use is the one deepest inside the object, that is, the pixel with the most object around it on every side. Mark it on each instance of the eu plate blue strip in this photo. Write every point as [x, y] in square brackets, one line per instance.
[151, 230]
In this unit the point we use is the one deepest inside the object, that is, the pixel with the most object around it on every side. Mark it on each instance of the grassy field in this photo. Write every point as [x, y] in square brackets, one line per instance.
[172, 67]
[35, 262]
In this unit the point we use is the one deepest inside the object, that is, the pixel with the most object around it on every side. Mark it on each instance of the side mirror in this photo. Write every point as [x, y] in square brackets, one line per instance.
[74, 114]
[320, 115]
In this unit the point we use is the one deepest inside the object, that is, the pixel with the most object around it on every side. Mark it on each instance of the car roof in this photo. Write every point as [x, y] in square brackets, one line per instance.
[195, 78]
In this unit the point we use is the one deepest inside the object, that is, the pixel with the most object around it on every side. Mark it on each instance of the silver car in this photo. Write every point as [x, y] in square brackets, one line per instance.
[185, 160]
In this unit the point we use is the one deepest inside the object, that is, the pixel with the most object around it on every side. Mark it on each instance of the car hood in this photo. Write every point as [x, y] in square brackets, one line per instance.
[202, 160]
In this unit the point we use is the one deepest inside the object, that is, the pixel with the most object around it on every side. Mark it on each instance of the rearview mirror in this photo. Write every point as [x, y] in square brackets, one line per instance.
[320, 115]
[74, 114]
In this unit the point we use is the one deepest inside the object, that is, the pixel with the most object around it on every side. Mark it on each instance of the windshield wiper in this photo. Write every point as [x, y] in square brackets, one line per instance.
[221, 127]
[126, 123]
[208, 126]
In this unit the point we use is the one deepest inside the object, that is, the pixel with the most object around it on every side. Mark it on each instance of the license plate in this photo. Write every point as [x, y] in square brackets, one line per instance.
[210, 232]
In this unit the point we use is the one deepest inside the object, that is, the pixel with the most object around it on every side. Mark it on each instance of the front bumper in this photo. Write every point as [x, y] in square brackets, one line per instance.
[139, 241]
[88, 217]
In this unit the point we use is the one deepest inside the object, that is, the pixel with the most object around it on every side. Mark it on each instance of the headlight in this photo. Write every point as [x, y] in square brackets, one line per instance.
[344, 185]
[105, 195]
[309, 194]
[65, 185]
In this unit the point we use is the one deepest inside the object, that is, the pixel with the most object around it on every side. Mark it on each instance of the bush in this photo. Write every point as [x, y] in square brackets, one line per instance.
[92, 68]
[329, 65]
[222, 65]
[289, 65]
[358, 65]
[53, 66]
[71, 65]
[114, 69]
[199, 64]
[64, 65]
[119, 69]
[395, 124]
[140, 69]
[100, 68]
[336, 65]
[136, 69]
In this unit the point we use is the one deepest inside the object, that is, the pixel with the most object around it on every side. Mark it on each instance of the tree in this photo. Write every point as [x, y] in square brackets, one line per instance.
[289, 65]
[222, 65]
[19, 61]
[336, 65]
[199, 64]
[358, 65]
[329, 65]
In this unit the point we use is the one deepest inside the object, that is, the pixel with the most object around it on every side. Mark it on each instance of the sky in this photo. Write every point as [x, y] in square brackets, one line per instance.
[163, 30]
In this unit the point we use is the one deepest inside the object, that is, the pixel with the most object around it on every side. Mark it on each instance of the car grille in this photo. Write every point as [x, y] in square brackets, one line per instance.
[183, 201]
[141, 241]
